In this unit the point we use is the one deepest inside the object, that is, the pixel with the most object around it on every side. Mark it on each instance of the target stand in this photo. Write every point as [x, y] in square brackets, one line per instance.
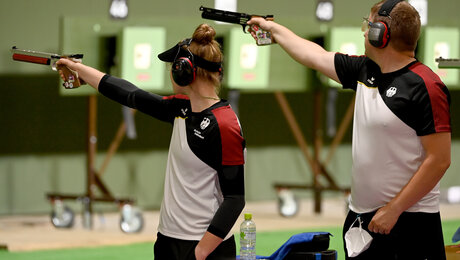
[62, 216]
[288, 204]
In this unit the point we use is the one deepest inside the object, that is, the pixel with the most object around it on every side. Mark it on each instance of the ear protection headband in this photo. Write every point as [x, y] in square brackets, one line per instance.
[379, 32]
[184, 65]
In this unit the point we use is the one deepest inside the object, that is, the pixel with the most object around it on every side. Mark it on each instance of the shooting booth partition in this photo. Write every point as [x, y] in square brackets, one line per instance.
[437, 42]
[103, 41]
[347, 40]
[250, 68]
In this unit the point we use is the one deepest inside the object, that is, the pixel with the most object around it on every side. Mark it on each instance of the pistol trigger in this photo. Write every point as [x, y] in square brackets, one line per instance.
[244, 28]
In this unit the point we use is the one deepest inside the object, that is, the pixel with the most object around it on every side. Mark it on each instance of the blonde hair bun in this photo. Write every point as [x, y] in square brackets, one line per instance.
[204, 34]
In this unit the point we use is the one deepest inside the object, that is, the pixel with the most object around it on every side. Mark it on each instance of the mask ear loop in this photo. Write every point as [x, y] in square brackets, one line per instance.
[361, 229]
[358, 218]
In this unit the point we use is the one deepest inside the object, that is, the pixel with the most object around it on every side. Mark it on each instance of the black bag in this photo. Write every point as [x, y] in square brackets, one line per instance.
[323, 255]
[315, 249]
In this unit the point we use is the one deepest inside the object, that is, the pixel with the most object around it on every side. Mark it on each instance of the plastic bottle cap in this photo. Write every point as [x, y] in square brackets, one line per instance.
[247, 216]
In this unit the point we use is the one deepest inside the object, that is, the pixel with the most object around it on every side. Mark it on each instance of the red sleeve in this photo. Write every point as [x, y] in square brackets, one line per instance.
[440, 106]
[231, 136]
[439, 97]
[178, 96]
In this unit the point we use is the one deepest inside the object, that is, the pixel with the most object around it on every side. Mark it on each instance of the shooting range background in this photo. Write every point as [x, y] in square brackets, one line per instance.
[43, 133]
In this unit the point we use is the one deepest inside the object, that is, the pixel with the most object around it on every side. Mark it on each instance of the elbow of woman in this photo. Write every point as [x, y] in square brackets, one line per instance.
[241, 204]
[235, 202]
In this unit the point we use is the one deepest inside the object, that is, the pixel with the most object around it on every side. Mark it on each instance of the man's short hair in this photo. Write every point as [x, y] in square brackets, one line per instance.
[404, 23]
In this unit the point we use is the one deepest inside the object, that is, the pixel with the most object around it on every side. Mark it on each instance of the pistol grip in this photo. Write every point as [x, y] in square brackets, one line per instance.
[71, 77]
[262, 37]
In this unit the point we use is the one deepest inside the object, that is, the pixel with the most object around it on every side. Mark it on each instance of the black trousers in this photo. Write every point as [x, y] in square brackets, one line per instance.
[416, 236]
[168, 248]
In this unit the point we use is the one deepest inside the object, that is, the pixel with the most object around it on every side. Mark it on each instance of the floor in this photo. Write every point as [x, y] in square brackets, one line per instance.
[22, 233]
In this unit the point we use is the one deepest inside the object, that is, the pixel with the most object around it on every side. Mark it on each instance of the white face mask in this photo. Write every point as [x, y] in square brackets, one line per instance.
[357, 239]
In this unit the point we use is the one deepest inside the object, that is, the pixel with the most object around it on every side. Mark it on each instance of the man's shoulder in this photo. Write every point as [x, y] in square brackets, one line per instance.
[354, 61]
[425, 73]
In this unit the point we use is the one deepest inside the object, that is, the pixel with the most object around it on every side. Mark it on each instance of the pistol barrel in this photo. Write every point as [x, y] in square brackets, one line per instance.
[31, 59]
[224, 16]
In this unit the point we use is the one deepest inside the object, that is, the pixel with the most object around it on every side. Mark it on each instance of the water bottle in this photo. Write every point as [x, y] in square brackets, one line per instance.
[248, 238]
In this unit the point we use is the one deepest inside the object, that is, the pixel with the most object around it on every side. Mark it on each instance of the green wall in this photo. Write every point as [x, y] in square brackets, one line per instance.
[43, 134]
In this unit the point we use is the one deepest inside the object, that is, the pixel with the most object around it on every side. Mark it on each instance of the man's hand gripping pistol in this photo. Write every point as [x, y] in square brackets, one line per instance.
[263, 37]
[71, 77]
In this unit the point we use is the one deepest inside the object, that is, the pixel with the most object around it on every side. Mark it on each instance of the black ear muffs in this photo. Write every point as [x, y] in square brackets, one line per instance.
[183, 71]
[221, 74]
[379, 32]
[185, 63]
